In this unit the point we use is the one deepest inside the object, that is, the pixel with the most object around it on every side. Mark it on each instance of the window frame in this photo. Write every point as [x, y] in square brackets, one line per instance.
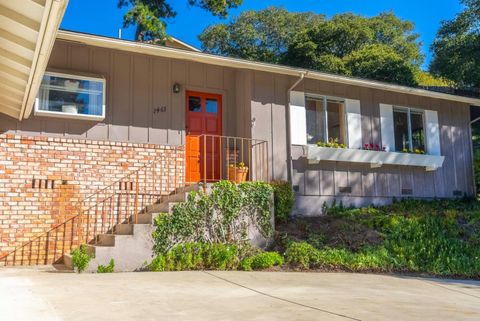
[409, 123]
[57, 114]
[325, 99]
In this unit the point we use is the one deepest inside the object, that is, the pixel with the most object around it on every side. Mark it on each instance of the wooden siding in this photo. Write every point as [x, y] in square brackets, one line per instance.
[136, 86]
[327, 178]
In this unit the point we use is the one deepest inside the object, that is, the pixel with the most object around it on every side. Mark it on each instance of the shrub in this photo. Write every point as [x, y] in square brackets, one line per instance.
[301, 254]
[284, 200]
[262, 261]
[81, 258]
[110, 268]
[222, 216]
[197, 256]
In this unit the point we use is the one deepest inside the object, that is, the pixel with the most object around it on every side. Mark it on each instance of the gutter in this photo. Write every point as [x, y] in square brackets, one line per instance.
[287, 125]
[472, 154]
[52, 17]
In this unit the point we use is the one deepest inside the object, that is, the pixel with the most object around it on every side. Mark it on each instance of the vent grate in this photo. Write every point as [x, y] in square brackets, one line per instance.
[407, 191]
[345, 189]
[43, 183]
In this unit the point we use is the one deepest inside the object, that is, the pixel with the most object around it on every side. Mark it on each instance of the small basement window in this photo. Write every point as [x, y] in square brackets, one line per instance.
[71, 96]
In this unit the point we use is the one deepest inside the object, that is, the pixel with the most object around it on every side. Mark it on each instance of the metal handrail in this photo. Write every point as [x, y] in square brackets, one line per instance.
[254, 153]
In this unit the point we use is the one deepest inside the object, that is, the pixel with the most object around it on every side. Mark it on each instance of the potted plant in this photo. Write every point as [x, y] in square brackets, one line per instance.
[237, 172]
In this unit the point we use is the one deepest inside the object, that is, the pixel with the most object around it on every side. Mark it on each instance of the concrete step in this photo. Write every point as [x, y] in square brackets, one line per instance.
[124, 229]
[147, 218]
[67, 261]
[165, 207]
[106, 240]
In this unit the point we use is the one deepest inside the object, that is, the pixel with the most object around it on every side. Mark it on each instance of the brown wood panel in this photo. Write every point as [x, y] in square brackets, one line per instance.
[141, 111]
[214, 77]
[279, 146]
[176, 130]
[161, 101]
[122, 95]
[327, 178]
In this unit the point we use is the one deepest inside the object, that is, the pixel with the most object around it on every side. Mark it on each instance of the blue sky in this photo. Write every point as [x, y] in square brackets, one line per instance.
[104, 18]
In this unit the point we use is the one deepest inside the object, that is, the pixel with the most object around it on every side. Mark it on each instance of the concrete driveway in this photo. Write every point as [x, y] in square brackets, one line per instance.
[33, 294]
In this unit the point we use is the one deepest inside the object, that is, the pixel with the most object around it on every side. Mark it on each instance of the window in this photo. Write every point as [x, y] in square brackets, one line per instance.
[211, 106]
[326, 120]
[71, 96]
[194, 104]
[408, 130]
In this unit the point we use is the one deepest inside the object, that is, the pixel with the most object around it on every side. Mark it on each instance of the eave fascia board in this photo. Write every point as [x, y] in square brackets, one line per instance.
[52, 17]
[155, 50]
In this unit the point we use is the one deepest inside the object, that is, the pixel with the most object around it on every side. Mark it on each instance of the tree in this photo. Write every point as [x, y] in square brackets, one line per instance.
[149, 16]
[345, 44]
[456, 49]
[257, 35]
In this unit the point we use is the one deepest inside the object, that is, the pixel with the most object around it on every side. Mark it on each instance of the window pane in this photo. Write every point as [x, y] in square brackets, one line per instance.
[418, 138]
[211, 106]
[315, 120]
[336, 121]
[194, 104]
[71, 95]
[400, 121]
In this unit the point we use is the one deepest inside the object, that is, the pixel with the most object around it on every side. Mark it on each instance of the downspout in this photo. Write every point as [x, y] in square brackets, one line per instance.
[289, 134]
[473, 156]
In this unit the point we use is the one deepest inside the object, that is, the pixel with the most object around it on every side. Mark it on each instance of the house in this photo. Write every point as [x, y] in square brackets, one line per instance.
[80, 113]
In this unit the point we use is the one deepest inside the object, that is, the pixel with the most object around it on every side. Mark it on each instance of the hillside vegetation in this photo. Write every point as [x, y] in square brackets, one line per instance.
[437, 238]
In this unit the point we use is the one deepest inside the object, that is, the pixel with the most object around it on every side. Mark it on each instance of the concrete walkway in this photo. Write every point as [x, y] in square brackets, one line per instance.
[36, 294]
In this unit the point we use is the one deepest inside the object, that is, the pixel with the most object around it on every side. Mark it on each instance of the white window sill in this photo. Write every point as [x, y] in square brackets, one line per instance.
[376, 159]
[68, 115]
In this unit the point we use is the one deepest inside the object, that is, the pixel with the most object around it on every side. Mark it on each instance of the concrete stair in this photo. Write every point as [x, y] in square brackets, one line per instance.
[131, 245]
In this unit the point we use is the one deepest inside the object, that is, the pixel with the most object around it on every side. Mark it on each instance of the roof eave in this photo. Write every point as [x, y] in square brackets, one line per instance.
[155, 50]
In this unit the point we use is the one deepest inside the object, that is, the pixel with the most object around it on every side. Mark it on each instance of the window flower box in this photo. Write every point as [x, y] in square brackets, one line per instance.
[316, 154]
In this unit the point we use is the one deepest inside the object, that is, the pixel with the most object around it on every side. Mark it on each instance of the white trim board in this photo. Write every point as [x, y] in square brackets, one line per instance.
[376, 159]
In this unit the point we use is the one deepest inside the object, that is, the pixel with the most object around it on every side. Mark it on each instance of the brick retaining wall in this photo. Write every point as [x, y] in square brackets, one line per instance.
[42, 178]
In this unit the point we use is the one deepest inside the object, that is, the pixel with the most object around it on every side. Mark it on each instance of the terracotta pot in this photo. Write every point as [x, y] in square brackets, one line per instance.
[237, 174]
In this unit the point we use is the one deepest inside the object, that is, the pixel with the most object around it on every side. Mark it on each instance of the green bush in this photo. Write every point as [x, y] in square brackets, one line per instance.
[110, 268]
[220, 216]
[284, 200]
[197, 256]
[301, 254]
[81, 258]
[262, 261]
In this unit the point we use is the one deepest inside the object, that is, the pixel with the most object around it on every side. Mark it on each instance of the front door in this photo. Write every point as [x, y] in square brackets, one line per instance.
[204, 126]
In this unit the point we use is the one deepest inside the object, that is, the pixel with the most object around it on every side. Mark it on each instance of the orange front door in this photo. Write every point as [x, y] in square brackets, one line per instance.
[204, 126]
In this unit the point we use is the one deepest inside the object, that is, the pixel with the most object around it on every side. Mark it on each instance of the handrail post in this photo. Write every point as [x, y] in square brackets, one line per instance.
[136, 199]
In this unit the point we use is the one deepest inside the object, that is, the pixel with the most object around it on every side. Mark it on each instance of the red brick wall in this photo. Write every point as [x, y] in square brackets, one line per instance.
[76, 168]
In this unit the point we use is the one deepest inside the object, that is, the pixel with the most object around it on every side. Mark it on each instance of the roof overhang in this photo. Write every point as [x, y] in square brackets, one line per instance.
[28, 29]
[155, 50]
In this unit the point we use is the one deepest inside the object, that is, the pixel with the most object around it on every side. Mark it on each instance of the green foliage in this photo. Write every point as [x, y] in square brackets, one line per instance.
[222, 216]
[439, 237]
[476, 164]
[110, 268]
[197, 256]
[150, 16]
[456, 49]
[81, 258]
[427, 79]
[261, 261]
[381, 62]
[284, 199]
[301, 254]
[345, 44]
